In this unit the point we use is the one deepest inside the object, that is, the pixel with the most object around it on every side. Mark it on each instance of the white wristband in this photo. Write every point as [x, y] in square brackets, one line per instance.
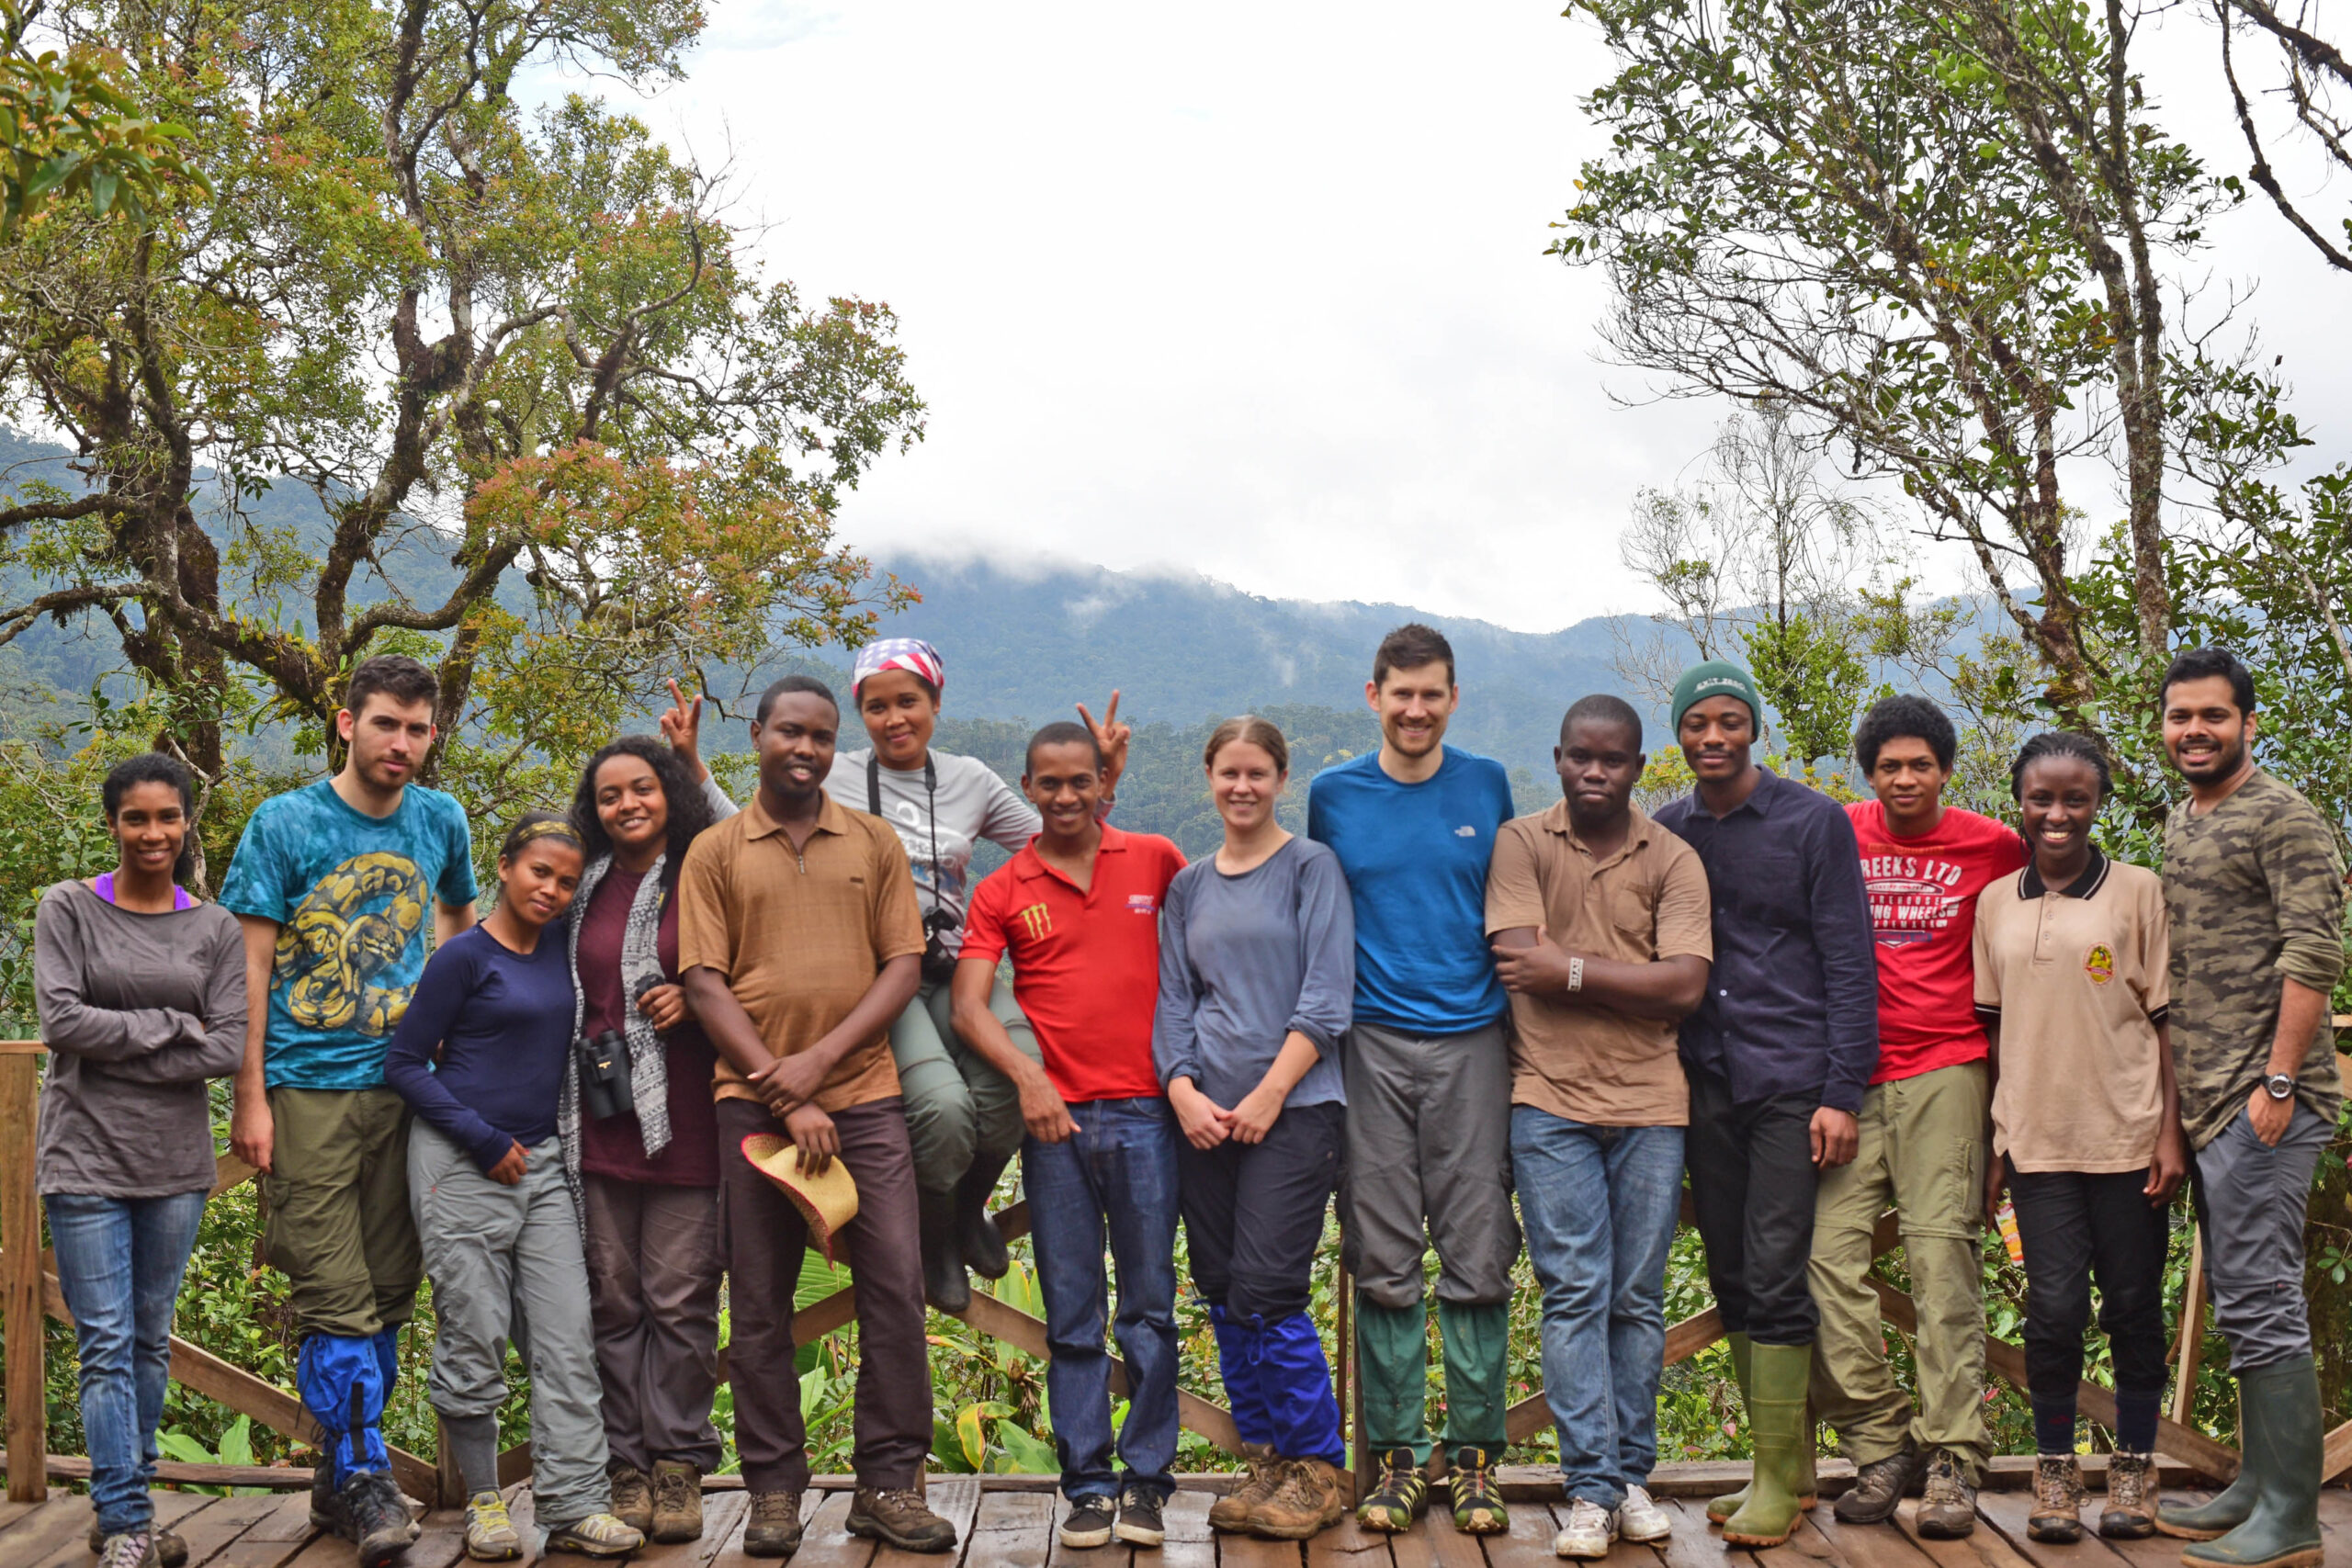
[1576, 974]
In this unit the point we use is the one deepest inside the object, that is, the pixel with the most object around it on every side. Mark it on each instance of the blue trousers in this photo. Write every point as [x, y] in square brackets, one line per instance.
[1116, 1177]
[1599, 1206]
[119, 1264]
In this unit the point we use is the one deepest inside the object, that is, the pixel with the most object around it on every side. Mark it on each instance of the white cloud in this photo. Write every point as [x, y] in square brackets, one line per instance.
[1254, 291]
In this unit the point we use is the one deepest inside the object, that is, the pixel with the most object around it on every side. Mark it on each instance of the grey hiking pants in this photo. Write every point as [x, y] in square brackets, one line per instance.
[1428, 1143]
[2252, 1199]
[505, 1263]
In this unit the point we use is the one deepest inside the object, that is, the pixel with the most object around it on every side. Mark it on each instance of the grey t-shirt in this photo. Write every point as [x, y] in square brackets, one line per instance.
[1245, 960]
[138, 1011]
[970, 803]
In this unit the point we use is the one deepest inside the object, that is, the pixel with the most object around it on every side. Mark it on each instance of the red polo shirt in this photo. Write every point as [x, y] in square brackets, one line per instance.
[1085, 966]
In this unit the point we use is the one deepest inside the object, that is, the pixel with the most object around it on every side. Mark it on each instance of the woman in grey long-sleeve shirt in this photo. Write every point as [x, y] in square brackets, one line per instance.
[141, 993]
[1257, 981]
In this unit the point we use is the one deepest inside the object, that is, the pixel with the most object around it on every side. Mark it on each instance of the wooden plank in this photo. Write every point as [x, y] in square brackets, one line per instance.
[2215, 1459]
[208, 1531]
[2335, 1458]
[11, 1512]
[55, 1536]
[1349, 1545]
[1692, 1335]
[2188, 1347]
[1010, 1323]
[2007, 1511]
[723, 1517]
[228, 1171]
[1527, 1545]
[20, 1315]
[1191, 1543]
[1859, 1546]
[273, 1539]
[1435, 1543]
[1014, 1528]
[21, 1048]
[1981, 1548]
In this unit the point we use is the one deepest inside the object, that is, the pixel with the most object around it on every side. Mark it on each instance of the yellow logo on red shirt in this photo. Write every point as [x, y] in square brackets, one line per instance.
[1037, 919]
[2099, 964]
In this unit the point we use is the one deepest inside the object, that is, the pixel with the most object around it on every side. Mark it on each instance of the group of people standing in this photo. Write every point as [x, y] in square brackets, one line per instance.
[632, 1079]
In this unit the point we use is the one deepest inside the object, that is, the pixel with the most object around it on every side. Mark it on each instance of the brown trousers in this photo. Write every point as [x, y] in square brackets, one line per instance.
[766, 1237]
[655, 1262]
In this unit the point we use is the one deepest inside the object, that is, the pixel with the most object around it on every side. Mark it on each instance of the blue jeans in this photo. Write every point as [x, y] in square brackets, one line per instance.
[1600, 1205]
[1116, 1173]
[118, 1263]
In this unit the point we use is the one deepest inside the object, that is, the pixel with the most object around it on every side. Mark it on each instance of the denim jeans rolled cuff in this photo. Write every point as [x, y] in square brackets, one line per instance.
[119, 1261]
[1112, 1183]
[2252, 1202]
[1599, 1206]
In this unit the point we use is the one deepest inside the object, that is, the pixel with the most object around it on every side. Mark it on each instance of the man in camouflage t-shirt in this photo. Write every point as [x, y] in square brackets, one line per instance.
[2255, 887]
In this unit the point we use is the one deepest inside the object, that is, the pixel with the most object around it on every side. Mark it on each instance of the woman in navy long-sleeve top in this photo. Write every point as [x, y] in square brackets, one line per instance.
[1257, 978]
[494, 1209]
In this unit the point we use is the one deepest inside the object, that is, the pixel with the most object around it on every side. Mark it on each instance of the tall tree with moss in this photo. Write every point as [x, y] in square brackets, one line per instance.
[533, 341]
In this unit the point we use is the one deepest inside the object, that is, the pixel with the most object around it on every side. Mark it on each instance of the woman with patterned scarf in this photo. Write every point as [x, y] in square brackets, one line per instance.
[647, 1178]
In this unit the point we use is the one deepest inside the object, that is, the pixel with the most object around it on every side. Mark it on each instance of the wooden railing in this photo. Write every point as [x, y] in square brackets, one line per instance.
[28, 1289]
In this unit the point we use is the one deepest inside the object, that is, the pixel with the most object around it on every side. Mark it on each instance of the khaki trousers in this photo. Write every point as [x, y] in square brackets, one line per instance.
[1923, 1151]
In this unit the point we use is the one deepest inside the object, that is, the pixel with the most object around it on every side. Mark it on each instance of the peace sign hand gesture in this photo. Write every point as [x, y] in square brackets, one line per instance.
[681, 727]
[1111, 737]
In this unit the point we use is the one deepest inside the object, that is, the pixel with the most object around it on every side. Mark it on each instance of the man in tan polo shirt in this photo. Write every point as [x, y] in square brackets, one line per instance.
[799, 940]
[1601, 928]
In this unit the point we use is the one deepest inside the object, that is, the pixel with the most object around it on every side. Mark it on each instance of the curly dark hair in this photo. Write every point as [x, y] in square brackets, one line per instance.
[2060, 743]
[155, 767]
[689, 812]
[1896, 717]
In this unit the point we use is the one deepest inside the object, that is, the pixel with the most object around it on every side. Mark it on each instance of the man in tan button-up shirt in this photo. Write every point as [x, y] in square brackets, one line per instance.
[1601, 932]
[799, 942]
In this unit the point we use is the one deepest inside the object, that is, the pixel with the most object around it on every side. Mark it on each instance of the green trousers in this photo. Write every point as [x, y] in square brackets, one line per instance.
[1393, 1360]
[1923, 1151]
[340, 1228]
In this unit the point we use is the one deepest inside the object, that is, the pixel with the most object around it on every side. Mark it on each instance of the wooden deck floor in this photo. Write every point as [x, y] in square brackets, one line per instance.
[1014, 1528]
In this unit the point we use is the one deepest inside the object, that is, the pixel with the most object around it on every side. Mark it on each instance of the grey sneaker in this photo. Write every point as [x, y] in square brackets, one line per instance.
[171, 1550]
[130, 1549]
[1948, 1505]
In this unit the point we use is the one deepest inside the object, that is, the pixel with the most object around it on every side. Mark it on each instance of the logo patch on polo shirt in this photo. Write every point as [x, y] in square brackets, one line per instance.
[1036, 919]
[1142, 904]
[2099, 964]
[1466, 831]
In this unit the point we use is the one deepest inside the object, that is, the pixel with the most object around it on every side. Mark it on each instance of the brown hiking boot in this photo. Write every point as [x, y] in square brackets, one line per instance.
[774, 1527]
[2057, 1514]
[1231, 1513]
[677, 1502]
[2132, 1496]
[899, 1517]
[632, 1496]
[1311, 1498]
[171, 1550]
[1879, 1487]
[1948, 1505]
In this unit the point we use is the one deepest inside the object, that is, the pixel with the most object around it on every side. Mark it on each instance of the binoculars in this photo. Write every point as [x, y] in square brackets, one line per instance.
[604, 1089]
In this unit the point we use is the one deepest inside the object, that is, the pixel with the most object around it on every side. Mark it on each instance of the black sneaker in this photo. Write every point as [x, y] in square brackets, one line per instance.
[1087, 1523]
[327, 1512]
[378, 1518]
[1139, 1522]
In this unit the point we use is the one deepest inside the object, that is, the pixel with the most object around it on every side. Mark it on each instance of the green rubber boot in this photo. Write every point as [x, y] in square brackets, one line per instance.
[2234, 1504]
[1778, 1375]
[1727, 1504]
[2281, 1402]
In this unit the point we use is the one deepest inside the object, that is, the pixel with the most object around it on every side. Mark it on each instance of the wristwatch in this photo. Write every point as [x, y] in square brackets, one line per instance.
[2279, 1086]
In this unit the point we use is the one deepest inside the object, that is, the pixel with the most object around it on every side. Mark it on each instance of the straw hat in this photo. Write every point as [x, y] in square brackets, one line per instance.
[828, 1201]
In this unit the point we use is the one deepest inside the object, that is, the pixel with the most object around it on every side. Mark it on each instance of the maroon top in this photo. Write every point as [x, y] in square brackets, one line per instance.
[614, 1146]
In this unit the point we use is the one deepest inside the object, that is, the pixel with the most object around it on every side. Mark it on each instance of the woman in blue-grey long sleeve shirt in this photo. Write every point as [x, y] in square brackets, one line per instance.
[1257, 978]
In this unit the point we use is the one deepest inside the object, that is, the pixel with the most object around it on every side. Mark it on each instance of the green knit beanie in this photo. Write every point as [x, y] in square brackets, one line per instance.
[1715, 678]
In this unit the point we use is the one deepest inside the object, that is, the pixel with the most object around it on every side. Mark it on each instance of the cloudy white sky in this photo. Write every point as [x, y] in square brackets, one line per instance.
[1254, 290]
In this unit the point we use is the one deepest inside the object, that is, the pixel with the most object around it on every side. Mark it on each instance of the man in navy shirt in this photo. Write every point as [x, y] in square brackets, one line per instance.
[1428, 1083]
[1778, 1056]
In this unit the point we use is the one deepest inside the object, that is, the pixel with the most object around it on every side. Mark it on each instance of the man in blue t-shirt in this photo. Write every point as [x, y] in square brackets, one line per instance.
[333, 884]
[1428, 1084]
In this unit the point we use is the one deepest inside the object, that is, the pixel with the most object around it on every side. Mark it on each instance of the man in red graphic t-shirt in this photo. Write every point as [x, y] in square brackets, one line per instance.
[1922, 1147]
